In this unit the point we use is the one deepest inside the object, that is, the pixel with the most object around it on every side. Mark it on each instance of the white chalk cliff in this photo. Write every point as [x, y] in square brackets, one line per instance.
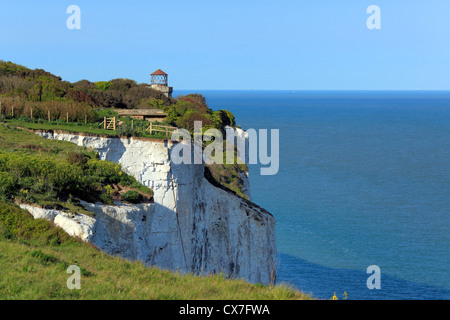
[214, 230]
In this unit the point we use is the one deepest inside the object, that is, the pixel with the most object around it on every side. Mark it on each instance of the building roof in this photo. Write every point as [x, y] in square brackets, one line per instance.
[140, 112]
[159, 72]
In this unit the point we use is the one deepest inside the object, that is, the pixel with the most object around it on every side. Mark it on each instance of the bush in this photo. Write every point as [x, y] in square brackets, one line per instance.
[77, 158]
[8, 185]
[106, 198]
[132, 196]
[103, 85]
[81, 176]
[188, 119]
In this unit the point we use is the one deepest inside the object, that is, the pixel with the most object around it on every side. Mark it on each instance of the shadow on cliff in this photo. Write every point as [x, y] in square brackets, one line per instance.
[118, 148]
[322, 282]
[150, 236]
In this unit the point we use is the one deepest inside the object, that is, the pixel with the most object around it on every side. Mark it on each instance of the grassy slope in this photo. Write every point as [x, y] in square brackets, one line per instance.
[34, 256]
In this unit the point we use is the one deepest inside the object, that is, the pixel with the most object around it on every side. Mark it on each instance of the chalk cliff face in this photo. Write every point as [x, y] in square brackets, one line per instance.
[192, 225]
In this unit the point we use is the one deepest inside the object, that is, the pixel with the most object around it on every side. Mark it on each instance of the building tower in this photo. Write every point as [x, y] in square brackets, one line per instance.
[159, 81]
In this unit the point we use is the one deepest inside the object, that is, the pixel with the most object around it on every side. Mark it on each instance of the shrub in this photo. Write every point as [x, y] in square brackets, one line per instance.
[103, 85]
[188, 119]
[8, 185]
[75, 157]
[132, 196]
[106, 198]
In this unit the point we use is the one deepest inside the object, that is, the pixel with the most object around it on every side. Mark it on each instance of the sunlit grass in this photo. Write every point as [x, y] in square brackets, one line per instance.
[34, 265]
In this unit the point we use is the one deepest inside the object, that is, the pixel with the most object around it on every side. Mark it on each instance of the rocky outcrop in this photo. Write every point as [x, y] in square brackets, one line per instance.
[78, 225]
[191, 226]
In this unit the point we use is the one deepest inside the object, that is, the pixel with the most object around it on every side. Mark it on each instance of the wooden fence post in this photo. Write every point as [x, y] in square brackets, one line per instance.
[48, 115]
[12, 112]
[132, 124]
[151, 128]
[31, 113]
[114, 123]
[85, 119]
[105, 123]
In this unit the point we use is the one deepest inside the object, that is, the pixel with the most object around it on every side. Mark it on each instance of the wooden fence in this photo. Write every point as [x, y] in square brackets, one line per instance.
[109, 123]
[13, 114]
[158, 128]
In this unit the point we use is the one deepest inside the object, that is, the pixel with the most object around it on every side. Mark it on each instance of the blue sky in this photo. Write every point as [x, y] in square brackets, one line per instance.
[246, 44]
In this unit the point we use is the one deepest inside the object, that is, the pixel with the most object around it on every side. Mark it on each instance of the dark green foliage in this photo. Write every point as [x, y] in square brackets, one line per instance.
[79, 158]
[227, 176]
[132, 196]
[193, 107]
[106, 198]
[152, 103]
[223, 118]
[8, 186]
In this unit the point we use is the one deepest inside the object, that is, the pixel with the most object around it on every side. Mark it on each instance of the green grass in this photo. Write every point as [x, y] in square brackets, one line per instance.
[56, 174]
[34, 256]
[92, 128]
[76, 128]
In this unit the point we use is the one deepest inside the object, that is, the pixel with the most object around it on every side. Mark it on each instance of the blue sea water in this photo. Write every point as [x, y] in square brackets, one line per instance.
[364, 180]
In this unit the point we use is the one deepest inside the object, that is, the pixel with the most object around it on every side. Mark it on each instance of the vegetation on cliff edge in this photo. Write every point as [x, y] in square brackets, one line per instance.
[56, 174]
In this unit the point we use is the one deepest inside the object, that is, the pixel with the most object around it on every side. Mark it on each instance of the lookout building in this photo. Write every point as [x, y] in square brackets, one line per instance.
[151, 115]
[159, 81]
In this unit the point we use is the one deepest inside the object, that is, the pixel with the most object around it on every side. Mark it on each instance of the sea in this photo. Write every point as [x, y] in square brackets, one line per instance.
[363, 180]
